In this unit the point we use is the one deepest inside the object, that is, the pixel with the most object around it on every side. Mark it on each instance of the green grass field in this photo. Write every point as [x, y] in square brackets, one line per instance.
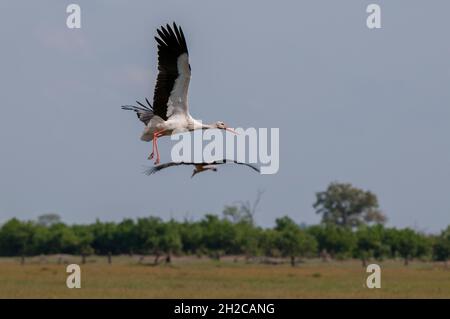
[190, 277]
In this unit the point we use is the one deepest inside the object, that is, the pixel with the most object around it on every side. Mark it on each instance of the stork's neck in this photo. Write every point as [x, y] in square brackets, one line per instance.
[208, 126]
[197, 125]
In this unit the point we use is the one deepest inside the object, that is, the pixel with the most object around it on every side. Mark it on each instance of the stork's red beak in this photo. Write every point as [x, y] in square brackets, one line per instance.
[231, 130]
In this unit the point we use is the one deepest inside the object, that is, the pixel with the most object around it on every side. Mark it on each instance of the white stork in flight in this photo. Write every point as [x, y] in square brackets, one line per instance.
[170, 112]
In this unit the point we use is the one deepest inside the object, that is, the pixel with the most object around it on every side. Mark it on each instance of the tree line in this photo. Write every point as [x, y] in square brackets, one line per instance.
[351, 227]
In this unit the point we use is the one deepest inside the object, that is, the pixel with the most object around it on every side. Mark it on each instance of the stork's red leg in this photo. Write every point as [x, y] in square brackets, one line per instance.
[157, 155]
[155, 139]
[153, 149]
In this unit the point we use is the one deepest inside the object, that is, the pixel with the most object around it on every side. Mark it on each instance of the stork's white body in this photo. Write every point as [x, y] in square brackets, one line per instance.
[175, 124]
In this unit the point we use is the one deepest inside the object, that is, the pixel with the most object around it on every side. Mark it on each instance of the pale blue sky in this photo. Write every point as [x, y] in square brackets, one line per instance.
[354, 105]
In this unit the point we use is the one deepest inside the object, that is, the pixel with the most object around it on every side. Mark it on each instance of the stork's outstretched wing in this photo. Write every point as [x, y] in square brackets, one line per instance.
[153, 170]
[224, 161]
[170, 96]
[157, 168]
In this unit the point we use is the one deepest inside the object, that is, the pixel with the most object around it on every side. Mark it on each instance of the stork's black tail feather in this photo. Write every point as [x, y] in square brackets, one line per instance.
[144, 113]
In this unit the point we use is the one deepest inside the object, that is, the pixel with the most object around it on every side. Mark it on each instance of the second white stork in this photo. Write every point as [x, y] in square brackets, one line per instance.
[170, 112]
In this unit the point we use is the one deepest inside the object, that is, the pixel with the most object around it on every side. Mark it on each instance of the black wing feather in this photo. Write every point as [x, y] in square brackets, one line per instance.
[157, 168]
[239, 163]
[170, 46]
[143, 112]
[153, 170]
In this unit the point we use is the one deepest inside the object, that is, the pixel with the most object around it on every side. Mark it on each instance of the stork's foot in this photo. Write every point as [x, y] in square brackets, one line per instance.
[157, 156]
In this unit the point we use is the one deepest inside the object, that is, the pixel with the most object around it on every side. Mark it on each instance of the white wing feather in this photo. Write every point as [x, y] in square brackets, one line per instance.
[178, 103]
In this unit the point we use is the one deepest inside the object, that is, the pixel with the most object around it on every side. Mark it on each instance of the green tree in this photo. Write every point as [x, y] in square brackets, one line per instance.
[441, 246]
[408, 244]
[147, 236]
[268, 242]
[104, 238]
[247, 239]
[157, 237]
[85, 238]
[61, 239]
[40, 240]
[218, 235]
[338, 241]
[345, 205]
[17, 238]
[169, 239]
[126, 237]
[369, 243]
[291, 241]
[191, 238]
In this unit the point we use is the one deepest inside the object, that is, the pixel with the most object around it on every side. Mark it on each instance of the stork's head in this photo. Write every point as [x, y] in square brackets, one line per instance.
[202, 169]
[222, 126]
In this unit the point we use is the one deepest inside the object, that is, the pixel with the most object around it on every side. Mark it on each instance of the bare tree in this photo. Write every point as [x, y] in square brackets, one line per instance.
[49, 219]
[247, 209]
